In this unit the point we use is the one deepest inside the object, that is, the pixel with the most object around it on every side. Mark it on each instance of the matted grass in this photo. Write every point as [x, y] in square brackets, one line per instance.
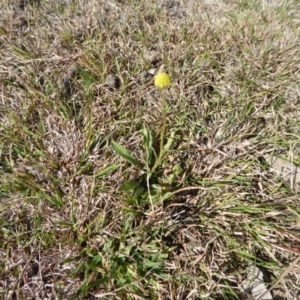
[80, 218]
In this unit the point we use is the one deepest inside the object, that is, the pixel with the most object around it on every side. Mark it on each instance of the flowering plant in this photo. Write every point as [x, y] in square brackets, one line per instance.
[162, 80]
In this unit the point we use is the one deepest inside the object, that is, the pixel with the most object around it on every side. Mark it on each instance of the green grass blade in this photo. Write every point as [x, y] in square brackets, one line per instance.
[123, 152]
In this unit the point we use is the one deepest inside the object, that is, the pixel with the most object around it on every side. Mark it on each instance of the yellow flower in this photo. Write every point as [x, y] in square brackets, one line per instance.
[162, 80]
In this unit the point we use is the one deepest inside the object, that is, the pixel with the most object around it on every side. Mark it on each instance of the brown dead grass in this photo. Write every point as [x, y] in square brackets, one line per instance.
[234, 98]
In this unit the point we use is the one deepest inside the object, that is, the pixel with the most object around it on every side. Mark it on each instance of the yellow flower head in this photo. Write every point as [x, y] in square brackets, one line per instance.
[162, 80]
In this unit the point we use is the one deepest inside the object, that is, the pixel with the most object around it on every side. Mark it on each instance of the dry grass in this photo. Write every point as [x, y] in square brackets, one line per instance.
[73, 77]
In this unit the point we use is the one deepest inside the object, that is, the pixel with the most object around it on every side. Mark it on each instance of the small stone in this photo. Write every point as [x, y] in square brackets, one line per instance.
[71, 72]
[149, 75]
[113, 81]
[153, 56]
[67, 82]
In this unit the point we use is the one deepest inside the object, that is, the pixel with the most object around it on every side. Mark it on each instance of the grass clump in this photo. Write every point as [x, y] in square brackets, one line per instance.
[111, 188]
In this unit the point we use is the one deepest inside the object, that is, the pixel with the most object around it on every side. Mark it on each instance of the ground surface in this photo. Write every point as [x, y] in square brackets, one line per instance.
[83, 218]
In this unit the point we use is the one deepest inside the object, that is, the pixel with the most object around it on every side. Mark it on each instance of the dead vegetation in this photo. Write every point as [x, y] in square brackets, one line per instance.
[76, 75]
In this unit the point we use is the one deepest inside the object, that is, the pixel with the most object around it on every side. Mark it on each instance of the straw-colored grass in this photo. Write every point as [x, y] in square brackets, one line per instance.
[92, 203]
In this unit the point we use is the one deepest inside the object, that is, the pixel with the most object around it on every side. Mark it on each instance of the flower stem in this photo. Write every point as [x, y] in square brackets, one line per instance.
[163, 128]
[162, 132]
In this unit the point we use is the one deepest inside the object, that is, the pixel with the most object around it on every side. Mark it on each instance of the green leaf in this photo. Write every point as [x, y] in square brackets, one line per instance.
[139, 191]
[107, 170]
[123, 152]
[168, 145]
[129, 185]
[96, 259]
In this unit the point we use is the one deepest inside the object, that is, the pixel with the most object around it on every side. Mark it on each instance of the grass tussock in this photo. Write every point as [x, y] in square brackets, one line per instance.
[92, 203]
